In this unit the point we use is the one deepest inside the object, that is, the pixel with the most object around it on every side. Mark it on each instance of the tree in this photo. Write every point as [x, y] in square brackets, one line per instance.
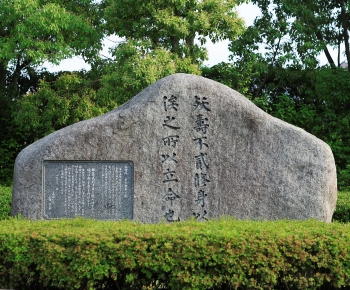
[296, 34]
[31, 32]
[174, 25]
[318, 101]
[288, 34]
[34, 31]
[70, 98]
[137, 65]
[276, 66]
[162, 37]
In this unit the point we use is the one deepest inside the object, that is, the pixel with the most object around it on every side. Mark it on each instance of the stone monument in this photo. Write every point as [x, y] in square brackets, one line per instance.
[184, 147]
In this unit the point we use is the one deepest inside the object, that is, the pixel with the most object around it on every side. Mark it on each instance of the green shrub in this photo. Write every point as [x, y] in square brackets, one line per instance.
[343, 177]
[5, 201]
[223, 254]
[342, 210]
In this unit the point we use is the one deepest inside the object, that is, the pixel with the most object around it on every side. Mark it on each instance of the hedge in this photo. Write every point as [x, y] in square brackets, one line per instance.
[222, 254]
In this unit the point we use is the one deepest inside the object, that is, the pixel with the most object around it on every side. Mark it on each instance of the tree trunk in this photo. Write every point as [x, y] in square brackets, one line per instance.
[325, 50]
[3, 73]
[14, 79]
[175, 43]
[190, 45]
[338, 53]
[329, 57]
[13, 85]
[257, 93]
[345, 32]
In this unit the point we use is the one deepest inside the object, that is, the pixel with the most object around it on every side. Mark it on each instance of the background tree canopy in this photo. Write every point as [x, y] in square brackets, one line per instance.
[31, 32]
[174, 24]
[274, 62]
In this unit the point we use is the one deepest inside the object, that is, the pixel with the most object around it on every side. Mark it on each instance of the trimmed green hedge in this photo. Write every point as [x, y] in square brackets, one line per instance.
[223, 254]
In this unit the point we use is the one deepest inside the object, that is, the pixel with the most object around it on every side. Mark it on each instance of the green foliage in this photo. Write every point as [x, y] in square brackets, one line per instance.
[5, 201]
[342, 210]
[223, 254]
[316, 100]
[77, 96]
[225, 73]
[233, 77]
[8, 152]
[12, 139]
[333, 123]
[31, 32]
[69, 99]
[344, 177]
[137, 66]
[294, 35]
[284, 43]
[174, 25]
[39, 30]
[160, 40]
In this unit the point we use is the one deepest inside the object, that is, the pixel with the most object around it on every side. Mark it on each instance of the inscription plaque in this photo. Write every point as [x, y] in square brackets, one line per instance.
[91, 189]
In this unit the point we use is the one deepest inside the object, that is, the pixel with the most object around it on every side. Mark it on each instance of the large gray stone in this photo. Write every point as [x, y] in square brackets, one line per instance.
[198, 148]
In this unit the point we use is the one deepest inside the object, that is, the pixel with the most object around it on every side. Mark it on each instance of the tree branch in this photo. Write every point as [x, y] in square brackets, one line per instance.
[270, 66]
[325, 50]
[13, 86]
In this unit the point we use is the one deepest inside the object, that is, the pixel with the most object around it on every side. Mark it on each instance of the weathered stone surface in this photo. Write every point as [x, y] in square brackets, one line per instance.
[198, 149]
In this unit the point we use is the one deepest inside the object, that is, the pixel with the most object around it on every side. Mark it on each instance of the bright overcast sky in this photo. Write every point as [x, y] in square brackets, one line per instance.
[218, 52]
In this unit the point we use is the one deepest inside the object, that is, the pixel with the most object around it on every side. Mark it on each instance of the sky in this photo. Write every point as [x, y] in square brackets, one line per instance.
[217, 52]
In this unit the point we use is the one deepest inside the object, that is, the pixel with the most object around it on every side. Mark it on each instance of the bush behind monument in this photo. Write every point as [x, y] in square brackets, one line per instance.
[5, 201]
